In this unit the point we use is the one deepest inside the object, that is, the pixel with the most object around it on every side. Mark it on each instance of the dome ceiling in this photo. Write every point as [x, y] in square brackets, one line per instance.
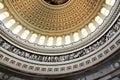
[57, 37]
[54, 17]
[55, 24]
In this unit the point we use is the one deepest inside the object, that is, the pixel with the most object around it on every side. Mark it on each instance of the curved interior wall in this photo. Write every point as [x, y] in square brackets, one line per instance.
[80, 59]
[111, 47]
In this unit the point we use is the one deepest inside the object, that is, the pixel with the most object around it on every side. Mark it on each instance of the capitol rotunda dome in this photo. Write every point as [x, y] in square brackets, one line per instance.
[58, 37]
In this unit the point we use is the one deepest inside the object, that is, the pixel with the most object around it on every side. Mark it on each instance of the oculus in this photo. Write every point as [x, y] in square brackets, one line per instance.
[56, 2]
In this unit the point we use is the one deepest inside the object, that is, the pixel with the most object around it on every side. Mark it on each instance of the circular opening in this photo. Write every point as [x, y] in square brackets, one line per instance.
[56, 2]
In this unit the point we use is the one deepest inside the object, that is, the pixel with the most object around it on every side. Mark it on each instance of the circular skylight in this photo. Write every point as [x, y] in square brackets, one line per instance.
[56, 2]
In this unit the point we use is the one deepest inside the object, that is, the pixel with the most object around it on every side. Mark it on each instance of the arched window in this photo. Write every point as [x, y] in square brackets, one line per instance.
[92, 27]
[99, 20]
[84, 32]
[10, 23]
[59, 41]
[104, 11]
[17, 29]
[110, 2]
[50, 41]
[4, 15]
[25, 34]
[67, 39]
[76, 36]
[1, 6]
[41, 40]
[33, 38]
